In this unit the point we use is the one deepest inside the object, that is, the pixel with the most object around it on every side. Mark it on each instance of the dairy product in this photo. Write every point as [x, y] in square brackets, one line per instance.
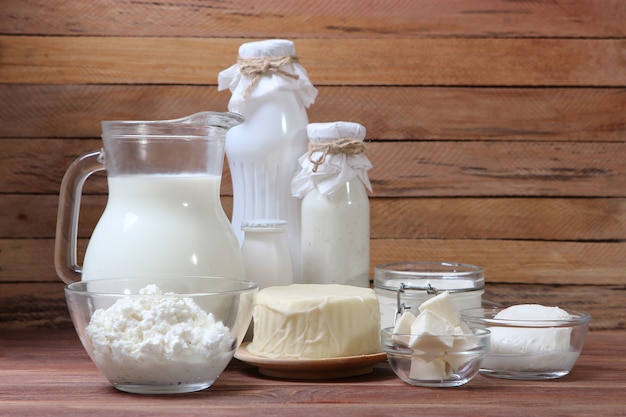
[158, 339]
[530, 348]
[332, 182]
[431, 336]
[271, 90]
[265, 252]
[434, 370]
[314, 321]
[336, 236]
[163, 225]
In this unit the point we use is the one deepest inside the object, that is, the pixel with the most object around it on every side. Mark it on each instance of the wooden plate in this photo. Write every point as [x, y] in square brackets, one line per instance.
[330, 368]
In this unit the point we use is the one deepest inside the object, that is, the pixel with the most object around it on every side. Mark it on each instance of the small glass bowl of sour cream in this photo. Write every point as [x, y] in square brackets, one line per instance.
[428, 360]
[537, 347]
[161, 335]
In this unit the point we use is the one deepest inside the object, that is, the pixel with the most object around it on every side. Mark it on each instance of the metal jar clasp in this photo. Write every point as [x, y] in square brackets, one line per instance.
[401, 308]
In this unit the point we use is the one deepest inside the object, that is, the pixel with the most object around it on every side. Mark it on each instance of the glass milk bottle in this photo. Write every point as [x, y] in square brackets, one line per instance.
[335, 207]
[265, 252]
[271, 90]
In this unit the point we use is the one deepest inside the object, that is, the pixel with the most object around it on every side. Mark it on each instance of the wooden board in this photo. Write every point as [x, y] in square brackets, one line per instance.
[327, 19]
[389, 113]
[400, 169]
[509, 261]
[406, 61]
[61, 380]
[558, 219]
[496, 128]
[42, 304]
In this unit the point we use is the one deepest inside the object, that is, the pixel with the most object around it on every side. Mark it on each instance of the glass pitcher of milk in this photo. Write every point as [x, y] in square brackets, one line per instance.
[163, 215]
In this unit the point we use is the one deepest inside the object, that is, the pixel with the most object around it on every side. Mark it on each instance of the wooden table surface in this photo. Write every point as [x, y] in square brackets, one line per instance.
[47, 373]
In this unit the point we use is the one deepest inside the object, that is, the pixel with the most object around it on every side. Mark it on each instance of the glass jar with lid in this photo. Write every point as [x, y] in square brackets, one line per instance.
[404, 286]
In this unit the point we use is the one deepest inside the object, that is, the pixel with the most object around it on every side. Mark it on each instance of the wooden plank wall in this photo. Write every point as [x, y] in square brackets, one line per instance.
[497, 129]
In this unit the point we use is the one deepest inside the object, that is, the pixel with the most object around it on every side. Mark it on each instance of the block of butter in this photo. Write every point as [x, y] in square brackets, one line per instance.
[315, 321]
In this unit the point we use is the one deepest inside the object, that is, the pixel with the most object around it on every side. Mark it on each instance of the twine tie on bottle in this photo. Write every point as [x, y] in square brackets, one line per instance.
[263, 65]
[346, 146]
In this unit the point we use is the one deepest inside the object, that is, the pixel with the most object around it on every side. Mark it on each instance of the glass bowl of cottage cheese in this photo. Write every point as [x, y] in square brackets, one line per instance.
[530, 341]
[161, 335]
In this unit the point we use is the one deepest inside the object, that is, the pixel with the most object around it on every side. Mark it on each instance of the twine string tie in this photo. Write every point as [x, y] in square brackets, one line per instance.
[262, 65]
[348, 146]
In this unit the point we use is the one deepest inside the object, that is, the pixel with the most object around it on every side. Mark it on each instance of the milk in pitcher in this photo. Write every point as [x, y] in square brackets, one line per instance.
[163, 225]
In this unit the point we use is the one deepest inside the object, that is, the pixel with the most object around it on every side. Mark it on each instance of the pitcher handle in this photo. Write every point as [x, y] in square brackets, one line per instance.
[65, 262]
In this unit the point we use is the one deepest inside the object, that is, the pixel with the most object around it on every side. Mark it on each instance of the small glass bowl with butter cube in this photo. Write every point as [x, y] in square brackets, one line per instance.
[530, 341]
[435, 348]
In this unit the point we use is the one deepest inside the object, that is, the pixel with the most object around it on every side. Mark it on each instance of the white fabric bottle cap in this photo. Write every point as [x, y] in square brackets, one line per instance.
[321, 132]
[297, 81]
[267, 48]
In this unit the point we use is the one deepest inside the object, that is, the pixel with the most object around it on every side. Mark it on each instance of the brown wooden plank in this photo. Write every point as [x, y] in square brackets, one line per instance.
[505, 261]
[31, 305]
[597, 219]
[401, 61]
[324, 18]
[400, 169]
[604, 302]
[516, 261]
[498, 169]
[499, 218]
[426, 113]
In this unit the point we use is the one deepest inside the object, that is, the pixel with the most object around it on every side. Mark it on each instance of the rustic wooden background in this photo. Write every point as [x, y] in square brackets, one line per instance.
[497, 129]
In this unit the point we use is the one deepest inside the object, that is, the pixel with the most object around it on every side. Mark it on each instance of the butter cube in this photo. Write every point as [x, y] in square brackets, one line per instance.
[427, 324]
[403, 328]
[435, 370]
[444, 307]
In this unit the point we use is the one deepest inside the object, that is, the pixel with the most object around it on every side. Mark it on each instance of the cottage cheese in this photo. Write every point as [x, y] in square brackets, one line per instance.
[158, 339]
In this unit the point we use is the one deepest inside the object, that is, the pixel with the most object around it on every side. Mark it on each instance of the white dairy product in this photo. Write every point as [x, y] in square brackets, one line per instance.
[443, 306]
[315, 321]
[402, 328]
[163, 225]
[530, 348]
[265, 253]
[335, 207]
[428, 323]
[263, 151]
[336, 236]
[431, 337]
[433, 370]
[158, 340]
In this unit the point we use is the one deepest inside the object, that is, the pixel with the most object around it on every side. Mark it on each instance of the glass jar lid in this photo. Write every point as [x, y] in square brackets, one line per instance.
[432, 277]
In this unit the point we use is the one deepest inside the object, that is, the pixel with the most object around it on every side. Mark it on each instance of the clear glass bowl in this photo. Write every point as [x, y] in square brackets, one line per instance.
[435, 360]
[530, 349]
[176, 339]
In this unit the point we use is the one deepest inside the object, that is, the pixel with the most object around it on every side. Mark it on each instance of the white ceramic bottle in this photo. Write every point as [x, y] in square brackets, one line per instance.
[271, 90]
[265, 252]
[335, 207]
